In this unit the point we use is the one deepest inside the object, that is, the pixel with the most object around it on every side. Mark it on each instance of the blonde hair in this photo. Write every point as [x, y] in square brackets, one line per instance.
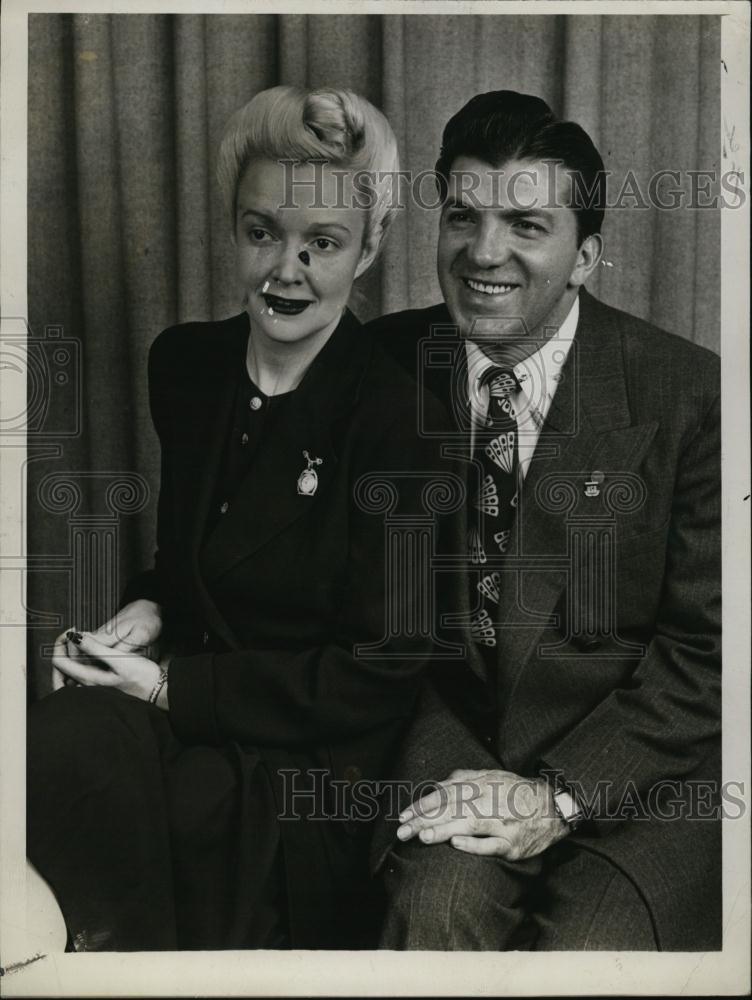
[338, 126]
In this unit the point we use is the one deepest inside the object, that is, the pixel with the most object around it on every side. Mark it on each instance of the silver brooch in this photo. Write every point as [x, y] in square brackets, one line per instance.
[308, 480]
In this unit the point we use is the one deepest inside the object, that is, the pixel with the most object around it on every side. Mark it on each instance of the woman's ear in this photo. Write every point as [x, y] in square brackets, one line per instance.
[588, 256]
[368, 254]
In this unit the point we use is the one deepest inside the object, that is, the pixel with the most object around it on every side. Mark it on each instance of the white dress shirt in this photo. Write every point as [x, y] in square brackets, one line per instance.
[538, 376]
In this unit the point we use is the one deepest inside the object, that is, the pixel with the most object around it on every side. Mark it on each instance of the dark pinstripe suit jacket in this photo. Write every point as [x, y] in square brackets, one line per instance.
[609, 661]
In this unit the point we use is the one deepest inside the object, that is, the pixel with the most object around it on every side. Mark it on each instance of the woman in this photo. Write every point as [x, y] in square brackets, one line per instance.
[183, 798]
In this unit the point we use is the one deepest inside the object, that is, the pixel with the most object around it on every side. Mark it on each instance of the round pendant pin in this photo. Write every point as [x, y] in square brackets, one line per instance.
[308, 480]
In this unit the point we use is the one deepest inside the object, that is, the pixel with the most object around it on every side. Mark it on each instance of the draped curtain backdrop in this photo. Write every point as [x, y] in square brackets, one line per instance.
[126, 233]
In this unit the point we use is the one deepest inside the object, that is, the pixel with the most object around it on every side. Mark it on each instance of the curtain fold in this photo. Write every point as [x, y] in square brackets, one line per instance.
[126, 228]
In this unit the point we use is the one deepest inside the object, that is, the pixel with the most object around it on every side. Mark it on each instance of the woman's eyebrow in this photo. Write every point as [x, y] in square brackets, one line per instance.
[258, 214]
[317, 226]
[314, 227]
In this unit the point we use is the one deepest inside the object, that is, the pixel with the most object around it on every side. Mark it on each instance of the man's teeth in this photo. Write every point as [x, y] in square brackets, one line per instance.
[482, 286]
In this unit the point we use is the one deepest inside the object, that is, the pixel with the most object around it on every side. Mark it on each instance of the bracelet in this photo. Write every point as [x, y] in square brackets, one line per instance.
[152, 699]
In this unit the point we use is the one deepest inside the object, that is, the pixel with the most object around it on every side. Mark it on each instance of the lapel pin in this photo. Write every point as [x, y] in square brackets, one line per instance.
[592, 485]
[308, 480]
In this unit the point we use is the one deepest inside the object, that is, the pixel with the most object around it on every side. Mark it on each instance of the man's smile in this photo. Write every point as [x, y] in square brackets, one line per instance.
[488, 287]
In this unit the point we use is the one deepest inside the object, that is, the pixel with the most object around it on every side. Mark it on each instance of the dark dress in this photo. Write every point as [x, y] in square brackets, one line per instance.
[225, 822]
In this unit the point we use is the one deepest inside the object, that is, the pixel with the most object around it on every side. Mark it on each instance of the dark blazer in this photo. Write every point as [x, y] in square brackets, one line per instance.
[265, 621]
[616, 686]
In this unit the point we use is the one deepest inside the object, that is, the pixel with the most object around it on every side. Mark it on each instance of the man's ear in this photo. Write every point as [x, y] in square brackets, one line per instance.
[588, 257]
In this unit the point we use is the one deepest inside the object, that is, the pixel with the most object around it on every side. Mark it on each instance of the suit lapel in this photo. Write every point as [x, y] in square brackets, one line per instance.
[588, 428]
[443, 372]
[442, 367]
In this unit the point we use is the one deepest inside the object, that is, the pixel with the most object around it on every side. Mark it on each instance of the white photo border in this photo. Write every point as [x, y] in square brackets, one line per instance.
[28, 971]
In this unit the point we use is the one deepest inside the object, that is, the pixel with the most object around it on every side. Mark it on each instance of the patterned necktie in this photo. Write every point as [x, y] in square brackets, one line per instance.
[494, 507]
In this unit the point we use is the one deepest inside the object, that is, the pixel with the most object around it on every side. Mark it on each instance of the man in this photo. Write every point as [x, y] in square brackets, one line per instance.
[576, 761]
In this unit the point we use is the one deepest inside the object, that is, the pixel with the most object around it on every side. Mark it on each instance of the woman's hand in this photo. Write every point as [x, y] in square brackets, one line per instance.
[88, 661]
[135, 628]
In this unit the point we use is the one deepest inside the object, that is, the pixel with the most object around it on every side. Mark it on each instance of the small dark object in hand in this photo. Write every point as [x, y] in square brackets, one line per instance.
[74, 636]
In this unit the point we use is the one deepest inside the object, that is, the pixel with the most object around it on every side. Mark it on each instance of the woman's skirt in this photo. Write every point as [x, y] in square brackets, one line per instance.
[149, 844]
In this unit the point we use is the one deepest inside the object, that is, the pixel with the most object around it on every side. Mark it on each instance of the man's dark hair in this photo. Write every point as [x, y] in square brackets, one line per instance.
[503, 125]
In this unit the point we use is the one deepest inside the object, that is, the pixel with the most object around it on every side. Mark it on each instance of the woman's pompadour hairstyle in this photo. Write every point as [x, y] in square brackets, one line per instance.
[337, 126]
